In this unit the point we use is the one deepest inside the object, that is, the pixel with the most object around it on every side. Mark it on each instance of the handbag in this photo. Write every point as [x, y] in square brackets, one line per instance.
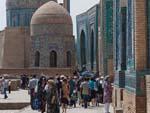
[36, 104]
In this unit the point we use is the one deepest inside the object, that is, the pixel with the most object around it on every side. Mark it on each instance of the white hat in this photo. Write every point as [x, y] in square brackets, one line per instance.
[106, 77]
[102, 77]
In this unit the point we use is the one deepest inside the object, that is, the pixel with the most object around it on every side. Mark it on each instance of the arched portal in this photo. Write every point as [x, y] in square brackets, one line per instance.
[92, 49]
[68, 58]
[53, 59]
[83, 48]
[37, 59]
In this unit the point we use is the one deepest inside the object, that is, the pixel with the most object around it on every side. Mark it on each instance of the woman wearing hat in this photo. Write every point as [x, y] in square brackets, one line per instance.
[65, 95]
[52, 97]
[107, 98]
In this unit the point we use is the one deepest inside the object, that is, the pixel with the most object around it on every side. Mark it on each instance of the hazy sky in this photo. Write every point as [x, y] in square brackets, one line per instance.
[77, 7]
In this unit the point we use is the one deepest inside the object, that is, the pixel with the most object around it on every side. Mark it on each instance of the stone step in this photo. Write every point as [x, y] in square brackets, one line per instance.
[13, 106]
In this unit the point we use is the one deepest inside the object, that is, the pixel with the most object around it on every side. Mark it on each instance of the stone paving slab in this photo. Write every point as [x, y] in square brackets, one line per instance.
[16, 100]
[70, 110]
[16, 97]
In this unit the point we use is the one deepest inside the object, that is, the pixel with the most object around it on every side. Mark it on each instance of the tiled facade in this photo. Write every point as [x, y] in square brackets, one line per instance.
[52, 32]
[87, 39]
[19, 12]
[106, 31]
[131, 77]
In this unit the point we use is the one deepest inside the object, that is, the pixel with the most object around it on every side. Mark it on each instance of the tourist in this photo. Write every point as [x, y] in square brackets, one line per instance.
[52, 97]
[85, 92]
[41, 93]
[23, 81]
[9, 86]
[33, 83]
[72, 87]
[59, 87]
[99, 83]
[5, 87]
[65, 95]
[107, 93]
[93, 90]
[73, 98]
[1, 89]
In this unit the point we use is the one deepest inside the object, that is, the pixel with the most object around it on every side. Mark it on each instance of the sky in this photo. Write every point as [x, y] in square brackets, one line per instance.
[77, 7]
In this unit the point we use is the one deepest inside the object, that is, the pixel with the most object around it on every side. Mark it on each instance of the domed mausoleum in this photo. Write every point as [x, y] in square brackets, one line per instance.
[46, 41]
[52, 37]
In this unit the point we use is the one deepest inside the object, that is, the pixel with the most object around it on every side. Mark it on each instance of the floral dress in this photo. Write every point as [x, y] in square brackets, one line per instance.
[107, 92]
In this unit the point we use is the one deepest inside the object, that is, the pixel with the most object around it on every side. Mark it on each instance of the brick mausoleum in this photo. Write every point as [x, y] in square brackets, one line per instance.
[39, 34]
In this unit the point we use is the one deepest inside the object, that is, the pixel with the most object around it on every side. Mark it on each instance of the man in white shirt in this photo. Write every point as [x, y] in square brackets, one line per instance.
[5, 87]
[32, 87]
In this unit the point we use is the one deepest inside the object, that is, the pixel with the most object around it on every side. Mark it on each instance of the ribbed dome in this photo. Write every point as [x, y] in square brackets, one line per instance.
[15, 4]
[51, 13]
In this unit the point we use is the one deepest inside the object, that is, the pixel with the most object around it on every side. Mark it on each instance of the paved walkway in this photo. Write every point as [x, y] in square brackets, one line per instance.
[72, 110]
[22, 96]
[16, 96]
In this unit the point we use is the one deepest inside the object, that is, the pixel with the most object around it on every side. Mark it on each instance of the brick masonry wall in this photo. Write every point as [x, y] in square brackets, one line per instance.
[46, 71]
[141, 104]
[140, 34]
[110, 68]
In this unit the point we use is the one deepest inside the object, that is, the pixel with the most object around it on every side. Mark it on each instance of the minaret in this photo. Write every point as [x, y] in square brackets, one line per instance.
[66, 5]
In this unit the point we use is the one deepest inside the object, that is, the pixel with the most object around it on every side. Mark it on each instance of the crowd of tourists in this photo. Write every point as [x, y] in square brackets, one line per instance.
[49, 94]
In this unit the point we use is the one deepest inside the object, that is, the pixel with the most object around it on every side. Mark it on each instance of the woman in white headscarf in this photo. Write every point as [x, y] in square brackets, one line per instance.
[107, 98]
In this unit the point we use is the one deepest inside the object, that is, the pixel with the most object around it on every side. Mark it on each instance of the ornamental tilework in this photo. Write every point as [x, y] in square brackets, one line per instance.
[19, 12]
[87, 24]
[130, 35]
[107, 33]
[60, 29]
[120, 42]
[15, 4]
